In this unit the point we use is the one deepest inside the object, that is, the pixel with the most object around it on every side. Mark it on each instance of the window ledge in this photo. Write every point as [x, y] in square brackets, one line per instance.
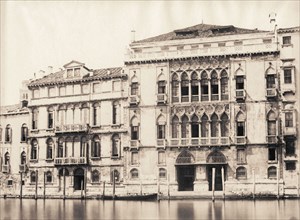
[95, 158]
[50, 129]
[287, 45]
[35, 130]
[241, 163]
[33, 160]
[272, 161]
[7, 142]
[115, 157]
[49, 160]
[95, 126]
[96, 183]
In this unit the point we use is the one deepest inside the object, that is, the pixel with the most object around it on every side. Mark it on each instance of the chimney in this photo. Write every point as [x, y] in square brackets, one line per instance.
[132, 36]
[41, 73]
[272, 17]
[50, 69]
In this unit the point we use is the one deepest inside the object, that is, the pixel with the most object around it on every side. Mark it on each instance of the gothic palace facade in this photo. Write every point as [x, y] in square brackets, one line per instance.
[196, 103]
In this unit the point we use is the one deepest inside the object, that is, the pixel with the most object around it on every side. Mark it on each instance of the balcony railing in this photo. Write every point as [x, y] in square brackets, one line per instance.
[134, 100]
[202, 141]
[5, 168]
[134, 143]
[204, 97]
[240, 140]
[72, 128]
[184, 98]
[195, 98]
[161, 98]
[22, 168]
[289, 131]
[271, 92]
[214, 97]
[271, 139]
[70, 161]
[161, 142]
[240, 94]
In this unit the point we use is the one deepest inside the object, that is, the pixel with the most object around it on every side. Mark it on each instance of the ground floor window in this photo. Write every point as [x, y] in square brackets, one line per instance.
[134, 174]
[272, 172]
[162, 173]
[290, 165]
[48, 177]
[32, 177]
[241, 173]
[9, 182]
[95, 176]
[272, 154]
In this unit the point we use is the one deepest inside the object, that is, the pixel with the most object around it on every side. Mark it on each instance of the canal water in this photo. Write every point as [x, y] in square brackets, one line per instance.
[176, 209]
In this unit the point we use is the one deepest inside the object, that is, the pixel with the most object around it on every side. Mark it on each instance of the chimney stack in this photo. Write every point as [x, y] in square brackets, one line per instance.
[132, 36]
[272, 17]
[41, 74]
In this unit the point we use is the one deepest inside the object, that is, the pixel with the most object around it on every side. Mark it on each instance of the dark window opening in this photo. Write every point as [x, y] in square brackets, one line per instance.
[290, 166]
[239, 82]
[161, 131]
[241, 129]
[288, 119]
[270, 81]
[286, 40]
[134, 132]
[195, 130]
[50, 120]
[134, 88]
[287, 76]
[9, 182]
[290, 147]
[195, 90]
[272, 154]
[161, 87]
[184, 91]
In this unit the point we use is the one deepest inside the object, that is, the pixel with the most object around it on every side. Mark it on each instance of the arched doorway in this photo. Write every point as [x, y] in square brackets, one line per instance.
[216, 160]
[78, 179]
[62, 182]
[185, 171]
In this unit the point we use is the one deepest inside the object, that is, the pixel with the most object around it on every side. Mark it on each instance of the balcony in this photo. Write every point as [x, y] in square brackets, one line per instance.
[161, 142]
[5, 168]
[134, 100]
[72, 128]
[240, 140]
[202, 141]
[22, 168]
[134, 143]
[289, 131]
[240, 94]
[70, 161]
[161, 98]
[271, 139]
[271, 93]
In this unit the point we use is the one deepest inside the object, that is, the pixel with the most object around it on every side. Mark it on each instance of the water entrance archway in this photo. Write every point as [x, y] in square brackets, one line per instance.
[185, 171]
[218, 161]
[78, 179]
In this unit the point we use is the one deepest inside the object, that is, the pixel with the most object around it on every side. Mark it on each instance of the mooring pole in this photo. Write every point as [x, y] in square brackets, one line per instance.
[213, 184]
[223, 182]
[64, 186]
[158, 188]
[21, 185]
[253, 174]
[103, 194]
[44, 185]
[114, 185]
[278, 191]
[298, 175]
[141, 188]
[81, 188]
[85, 180]
[168, 186]
[36, 183]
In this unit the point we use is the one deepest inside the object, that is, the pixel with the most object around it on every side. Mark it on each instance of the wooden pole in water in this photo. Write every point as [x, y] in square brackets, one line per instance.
[278, 183]
[36, 183]
[114, 185]
[81, 188]
[158, 188]
[253, 174]
[223, 182]
[44, 185]
[213, 184]
[141, 188]
[168, 186]
[103, 194]
[21, 185]
[84, 185]
[298, 184]
[64, 189]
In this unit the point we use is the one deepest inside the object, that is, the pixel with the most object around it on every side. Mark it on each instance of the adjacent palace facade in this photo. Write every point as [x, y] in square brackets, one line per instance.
[198, 109]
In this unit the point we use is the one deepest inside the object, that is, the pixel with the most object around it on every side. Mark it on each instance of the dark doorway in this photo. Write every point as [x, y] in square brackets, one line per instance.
[218, 176]
[78, 179]
[185, 177]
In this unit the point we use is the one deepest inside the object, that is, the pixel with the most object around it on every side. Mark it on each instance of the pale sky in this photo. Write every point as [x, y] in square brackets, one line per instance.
[35, 35]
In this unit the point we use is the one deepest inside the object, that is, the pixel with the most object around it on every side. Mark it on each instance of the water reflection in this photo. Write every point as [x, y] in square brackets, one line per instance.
[188, 209]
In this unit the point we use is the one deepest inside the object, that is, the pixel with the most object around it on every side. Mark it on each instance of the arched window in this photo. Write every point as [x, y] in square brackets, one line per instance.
[195, 87]
[224, 125]
[85, 114]
[115, 176]
[162, 173]
[50, 117]
[214, 126]
[83, 146]
[161, 123]
[134, 173]
[32, 177]
[270, 77]
[35, 118]
[115, 145]
[61, 114]
[96, 147]
[161, 84]
[134, 128]
[240, 124]
[204, 126]
[184, 126]
[34, 149]
[49, 151]
[271, 123]
[48, 177]
[224, 85]
[272, 172]
[184, 87]
[116, 113]
[241, 173]
[8, 133]
[23, 158]
[24, 132]
[134, 86]
[96, 113]
[195, 126]
[95, 176]
[175, 88]
[175, 127]
[60, 148]
[204, 86]
[6, 159]
[214, 83]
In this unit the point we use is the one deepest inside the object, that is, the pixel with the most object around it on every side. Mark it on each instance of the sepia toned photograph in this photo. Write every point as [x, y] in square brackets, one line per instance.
[147, 110]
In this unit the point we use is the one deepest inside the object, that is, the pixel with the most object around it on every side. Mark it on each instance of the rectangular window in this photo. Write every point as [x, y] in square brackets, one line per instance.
[290, 166]
[195, 130]
[272, 154]
[96, 88]
[267, 41]
[62, 91]
[185, 88]
[289, 119]
[240, 128]
[51, 91]
[50, 120]
[9, 182]
[241, 156]
[270, 81]
[206, 45]
[160, 131]
[69, 72]
[161, 157]
[271, 127]
[134, 132]
[77, 72]
[222, 44]
[237, 43]
[289, 147]
[287, 40]
[287, 76]
[134, 158]
[134, 88]
[240, 82]
[161, 87]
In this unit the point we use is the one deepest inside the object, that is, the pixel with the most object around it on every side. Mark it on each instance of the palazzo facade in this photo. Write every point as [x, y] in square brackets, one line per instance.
[185, 104]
